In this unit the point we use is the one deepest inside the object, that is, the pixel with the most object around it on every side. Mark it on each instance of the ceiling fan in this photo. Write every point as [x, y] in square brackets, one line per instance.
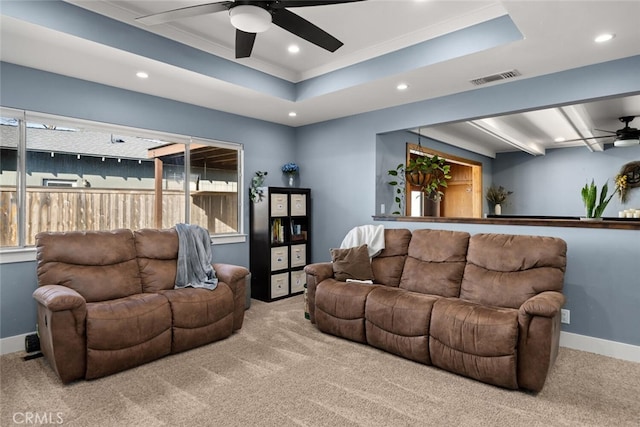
[625, 137]
[252, 17]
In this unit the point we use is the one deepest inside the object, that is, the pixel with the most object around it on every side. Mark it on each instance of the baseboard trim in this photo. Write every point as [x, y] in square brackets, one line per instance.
[13, 344]
[600, 346]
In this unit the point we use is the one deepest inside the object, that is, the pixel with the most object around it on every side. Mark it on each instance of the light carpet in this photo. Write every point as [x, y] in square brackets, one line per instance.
[279, 370]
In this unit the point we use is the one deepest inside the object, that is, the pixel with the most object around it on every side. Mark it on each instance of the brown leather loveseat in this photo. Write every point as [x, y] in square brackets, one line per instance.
[106, 301]
[485, 306]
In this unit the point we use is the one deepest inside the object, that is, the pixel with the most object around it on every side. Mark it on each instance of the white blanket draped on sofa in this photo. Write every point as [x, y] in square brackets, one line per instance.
[371, 235]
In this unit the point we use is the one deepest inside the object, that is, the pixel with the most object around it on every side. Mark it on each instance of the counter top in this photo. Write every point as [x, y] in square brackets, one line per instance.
[540, 221]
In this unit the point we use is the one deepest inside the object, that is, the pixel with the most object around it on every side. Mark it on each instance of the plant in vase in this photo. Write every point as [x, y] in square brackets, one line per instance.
[290, 169]
[496, 196]
[593, 204]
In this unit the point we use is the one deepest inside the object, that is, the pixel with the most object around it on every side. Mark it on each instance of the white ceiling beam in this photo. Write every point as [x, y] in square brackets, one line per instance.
[579, 119]
[501, 131]
[451, 139]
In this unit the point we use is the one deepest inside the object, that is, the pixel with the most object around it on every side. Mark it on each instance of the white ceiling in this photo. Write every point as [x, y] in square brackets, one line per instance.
[557, 35]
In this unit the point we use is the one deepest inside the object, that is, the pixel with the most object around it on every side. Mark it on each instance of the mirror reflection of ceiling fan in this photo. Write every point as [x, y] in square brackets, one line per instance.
[252, 17]
[625, 137]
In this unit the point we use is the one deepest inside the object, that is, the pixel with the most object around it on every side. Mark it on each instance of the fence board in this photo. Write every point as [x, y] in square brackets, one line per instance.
[67, 209]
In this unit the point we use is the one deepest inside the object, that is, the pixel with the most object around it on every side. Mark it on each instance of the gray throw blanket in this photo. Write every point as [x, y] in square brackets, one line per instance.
[194, 258]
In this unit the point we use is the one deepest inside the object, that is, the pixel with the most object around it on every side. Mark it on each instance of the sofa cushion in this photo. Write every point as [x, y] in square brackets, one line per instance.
[99, 265]
[127, 332]
[387, 266]
[340, 308]
[351, 263]
[435, 262]
[157, 252]
[505, 270]
[200, 315]
[474, 340]
[398, 321]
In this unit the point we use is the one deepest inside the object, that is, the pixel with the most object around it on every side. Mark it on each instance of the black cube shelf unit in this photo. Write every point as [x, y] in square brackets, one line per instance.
[280, 242]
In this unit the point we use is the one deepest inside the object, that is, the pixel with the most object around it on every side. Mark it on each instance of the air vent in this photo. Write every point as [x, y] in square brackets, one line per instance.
[495, 77]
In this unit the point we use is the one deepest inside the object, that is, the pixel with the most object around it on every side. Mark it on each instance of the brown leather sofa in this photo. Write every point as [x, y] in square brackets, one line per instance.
[485, 306]
[106, 301]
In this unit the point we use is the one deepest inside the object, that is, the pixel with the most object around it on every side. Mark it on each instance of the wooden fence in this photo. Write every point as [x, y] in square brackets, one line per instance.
[68, 209]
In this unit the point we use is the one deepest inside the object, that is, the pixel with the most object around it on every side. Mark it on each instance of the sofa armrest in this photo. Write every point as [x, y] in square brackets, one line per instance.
[58, 298]
[539, 338]
[321, 270]
[545, 304]
[234, 276]
[316, 273]
[62, 314]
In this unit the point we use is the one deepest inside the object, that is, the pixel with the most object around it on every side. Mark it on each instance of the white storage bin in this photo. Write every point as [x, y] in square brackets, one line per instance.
[298, 280]
[279, 285]
[279, 258]
[298, 255]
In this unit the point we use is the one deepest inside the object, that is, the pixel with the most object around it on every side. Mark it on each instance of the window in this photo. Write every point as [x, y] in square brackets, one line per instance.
[80, 175]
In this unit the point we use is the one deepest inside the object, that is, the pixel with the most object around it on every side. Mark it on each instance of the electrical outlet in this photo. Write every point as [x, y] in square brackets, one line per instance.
[565, 316]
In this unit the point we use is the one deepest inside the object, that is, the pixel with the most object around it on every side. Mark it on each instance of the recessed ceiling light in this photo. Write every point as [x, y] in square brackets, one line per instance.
[560, 139]
[402, 86]
[142, 75]
[293, 48]
[293, 114]
[604, 37]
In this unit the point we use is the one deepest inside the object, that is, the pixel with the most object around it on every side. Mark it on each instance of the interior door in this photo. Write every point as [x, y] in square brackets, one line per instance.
[458, 195]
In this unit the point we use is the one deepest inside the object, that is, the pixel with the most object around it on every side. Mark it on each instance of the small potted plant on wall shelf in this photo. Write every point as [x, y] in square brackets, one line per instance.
[593, 204]
[496, 196]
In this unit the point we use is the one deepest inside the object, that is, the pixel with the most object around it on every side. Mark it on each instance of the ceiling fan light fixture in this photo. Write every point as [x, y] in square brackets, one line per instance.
[250, 19]
[626, 142]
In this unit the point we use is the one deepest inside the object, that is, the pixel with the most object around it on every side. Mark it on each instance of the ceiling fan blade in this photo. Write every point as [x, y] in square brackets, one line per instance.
[244, 43]
[299, 26]
[304, 3]
[184, 12]
[608, 131]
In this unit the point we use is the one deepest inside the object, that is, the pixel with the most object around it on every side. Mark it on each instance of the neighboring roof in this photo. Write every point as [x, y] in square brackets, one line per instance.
[81, 142]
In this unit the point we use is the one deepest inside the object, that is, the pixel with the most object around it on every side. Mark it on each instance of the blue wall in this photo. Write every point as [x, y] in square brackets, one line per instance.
[550, 184]
[339, 161]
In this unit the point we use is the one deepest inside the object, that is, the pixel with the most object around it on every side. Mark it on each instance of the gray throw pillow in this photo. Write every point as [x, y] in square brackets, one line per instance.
[351, 263]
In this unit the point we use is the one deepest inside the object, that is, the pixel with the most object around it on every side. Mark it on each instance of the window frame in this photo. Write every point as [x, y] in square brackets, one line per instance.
[13, 253]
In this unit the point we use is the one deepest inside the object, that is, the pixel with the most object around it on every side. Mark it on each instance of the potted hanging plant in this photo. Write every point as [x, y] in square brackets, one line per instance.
[430, 173]
[496, 196]
[593, 204]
